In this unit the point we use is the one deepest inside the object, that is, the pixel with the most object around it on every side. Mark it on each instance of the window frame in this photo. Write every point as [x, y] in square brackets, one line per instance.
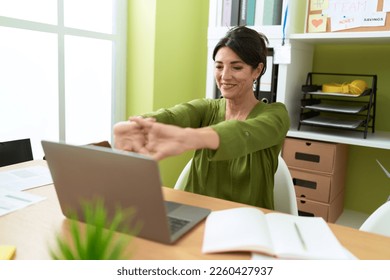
[118, 39]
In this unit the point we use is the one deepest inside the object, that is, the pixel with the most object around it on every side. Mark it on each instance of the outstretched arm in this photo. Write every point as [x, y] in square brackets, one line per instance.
[164, 140]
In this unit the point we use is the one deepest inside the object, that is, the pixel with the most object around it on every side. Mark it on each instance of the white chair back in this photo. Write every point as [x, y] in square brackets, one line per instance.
[379, 221]
[181, 181]
[284, 191]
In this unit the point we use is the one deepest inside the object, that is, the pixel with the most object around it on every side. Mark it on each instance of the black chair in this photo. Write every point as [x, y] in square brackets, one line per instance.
[15, 151]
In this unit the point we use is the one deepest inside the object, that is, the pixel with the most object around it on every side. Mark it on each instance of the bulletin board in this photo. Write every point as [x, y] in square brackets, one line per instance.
[347, 16]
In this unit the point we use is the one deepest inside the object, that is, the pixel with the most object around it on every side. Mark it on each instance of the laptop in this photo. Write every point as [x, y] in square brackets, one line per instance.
[130, 180]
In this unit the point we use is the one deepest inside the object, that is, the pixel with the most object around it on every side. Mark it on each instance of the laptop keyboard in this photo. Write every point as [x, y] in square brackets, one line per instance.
[176, 224]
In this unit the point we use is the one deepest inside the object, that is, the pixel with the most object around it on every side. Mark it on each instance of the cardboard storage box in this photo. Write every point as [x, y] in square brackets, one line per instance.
[316, 186]
[330, 212]
[315, 155]
[318, 170]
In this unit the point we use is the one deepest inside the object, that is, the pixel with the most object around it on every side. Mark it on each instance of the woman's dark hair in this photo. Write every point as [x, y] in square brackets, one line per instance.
[248, 44]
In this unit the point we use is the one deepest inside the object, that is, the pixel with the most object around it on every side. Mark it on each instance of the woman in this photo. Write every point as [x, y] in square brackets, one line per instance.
[236, 138]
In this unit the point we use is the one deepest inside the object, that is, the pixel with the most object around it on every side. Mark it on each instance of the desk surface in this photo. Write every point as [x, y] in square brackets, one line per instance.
[34, 228]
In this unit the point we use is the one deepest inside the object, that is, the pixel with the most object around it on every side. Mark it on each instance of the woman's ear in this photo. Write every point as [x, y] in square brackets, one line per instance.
[258, 71]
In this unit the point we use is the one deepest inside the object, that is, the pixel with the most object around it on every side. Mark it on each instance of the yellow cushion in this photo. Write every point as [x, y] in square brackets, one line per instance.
[356, 87]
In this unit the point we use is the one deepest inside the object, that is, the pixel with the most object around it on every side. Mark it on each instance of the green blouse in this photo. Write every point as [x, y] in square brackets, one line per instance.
[242, 168]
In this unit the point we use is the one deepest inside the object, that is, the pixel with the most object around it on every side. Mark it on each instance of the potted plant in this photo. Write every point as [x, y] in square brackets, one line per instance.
[97, 238]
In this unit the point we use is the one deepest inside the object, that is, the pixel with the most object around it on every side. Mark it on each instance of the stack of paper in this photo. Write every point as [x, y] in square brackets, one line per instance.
[14, 182]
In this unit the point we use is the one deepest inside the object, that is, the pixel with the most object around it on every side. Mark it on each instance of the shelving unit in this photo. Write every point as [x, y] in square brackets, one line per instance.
[339, 110]
[297, 38]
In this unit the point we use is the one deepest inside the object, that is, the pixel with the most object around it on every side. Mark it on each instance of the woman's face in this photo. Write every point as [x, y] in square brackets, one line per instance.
[233, 76]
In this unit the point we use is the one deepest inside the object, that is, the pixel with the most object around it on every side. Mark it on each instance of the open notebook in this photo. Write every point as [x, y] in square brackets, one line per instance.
[276, 235]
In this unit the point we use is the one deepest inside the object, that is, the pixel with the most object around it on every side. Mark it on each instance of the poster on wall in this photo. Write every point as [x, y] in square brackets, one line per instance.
[347, 15]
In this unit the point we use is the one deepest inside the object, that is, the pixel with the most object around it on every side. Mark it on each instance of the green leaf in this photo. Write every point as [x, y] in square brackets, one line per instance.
[97, 238]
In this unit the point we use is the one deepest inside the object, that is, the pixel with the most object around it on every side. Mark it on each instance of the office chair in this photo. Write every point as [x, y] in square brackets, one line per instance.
[16, 151]
[105, 144]
[181, 181]
[284, 190]
[379, 221]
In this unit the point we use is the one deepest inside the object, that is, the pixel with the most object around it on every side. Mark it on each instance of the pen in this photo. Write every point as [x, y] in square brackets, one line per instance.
[300, 236]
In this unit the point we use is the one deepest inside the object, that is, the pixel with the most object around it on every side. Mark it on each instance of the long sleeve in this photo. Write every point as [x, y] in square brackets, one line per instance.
[266, 126]
[196, 113]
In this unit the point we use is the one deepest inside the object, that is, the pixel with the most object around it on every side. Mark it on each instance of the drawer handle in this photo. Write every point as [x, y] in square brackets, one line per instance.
[308, 144]
[305, 183]
[303, 213]
[307, 157]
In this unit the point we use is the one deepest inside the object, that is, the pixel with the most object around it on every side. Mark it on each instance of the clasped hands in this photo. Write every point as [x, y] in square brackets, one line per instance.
[148, 137]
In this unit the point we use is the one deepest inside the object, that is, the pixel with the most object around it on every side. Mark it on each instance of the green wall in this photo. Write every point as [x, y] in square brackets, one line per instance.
[140, 56]
[167, 55]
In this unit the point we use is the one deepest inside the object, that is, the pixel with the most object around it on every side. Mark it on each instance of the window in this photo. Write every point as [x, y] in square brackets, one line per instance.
[62, 70]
